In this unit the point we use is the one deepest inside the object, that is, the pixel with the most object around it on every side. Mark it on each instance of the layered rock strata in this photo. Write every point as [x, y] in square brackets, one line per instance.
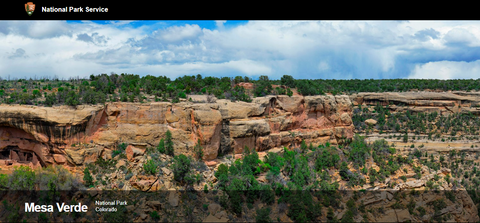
[79, 135]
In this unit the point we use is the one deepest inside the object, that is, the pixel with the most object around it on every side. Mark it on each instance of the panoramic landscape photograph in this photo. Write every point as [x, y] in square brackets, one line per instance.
[239, 121]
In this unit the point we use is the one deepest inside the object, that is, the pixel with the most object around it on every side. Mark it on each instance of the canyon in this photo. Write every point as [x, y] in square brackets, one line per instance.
[75, 137]
[72, 136]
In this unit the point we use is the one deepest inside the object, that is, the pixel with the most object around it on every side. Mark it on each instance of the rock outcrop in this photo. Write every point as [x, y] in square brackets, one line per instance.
[80, 135]
[43, 133]
[441, 102]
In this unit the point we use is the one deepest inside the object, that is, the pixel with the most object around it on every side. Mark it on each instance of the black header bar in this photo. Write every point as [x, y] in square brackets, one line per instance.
[233, 10]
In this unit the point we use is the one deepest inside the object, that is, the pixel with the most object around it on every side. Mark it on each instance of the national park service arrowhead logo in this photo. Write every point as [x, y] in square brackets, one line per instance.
[29, 7]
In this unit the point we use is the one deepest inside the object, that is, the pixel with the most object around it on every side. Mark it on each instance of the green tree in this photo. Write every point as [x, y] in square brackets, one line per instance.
[72, 99]
[222, 175]
[181, 167]
[288, 81]
[198, 150]
[50, 100]
[263, 86]
[238, 79]
[169, 143]
[87, 177]
[161, 146]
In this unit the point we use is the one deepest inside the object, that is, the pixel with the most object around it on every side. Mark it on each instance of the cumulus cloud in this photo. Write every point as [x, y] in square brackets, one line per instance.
[93, 38]
[447, 70]
[178, 33]
[303, 49]
[427, 34]
[459, 36]
[36, 29]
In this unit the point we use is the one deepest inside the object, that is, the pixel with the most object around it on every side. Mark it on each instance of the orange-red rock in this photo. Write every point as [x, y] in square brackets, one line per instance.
[265, 123]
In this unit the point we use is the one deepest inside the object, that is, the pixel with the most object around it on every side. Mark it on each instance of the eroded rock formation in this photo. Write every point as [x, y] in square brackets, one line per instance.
[40, 134]
[77, 135]
[441, 102]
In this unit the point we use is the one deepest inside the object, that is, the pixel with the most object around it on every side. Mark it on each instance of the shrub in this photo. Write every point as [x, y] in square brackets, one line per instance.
[263, 215]
[155, 216]
[266, 194]
[12, 210]
[22, 178]
[3, 181]
[120, 149]
[417, 153]
[303, 146]
[360, 151]
[344, 171]
[150, 167]
[289, 92]
[302, 175]
[326, 157]
[87, 178]
[56, 177]
[421, 211]
[275, 161]
[181, 166]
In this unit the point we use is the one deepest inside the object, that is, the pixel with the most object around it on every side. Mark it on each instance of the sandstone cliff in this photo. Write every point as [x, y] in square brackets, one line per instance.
[77, 135]
[441, 102]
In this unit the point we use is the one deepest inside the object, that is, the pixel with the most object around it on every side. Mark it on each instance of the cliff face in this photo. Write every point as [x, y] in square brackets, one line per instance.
[39, 135]
[441, 102]
[67, 135]
[74, 135]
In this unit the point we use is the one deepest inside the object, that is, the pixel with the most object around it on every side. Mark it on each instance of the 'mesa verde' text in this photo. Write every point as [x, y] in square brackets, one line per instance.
[60, 207]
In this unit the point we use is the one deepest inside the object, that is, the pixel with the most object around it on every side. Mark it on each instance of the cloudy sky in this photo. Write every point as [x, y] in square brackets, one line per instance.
[303, 49]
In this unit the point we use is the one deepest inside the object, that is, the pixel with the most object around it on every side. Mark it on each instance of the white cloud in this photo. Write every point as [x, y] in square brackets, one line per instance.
[178, 33]
[447, 70]
[303, 49]
[219, 24]
[36, 29]
[460, 36]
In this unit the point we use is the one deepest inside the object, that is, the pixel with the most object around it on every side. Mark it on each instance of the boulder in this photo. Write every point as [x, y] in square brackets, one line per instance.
[371, 122]
[75, 156]
[59, 159]
[143, 185]
[133, 152]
